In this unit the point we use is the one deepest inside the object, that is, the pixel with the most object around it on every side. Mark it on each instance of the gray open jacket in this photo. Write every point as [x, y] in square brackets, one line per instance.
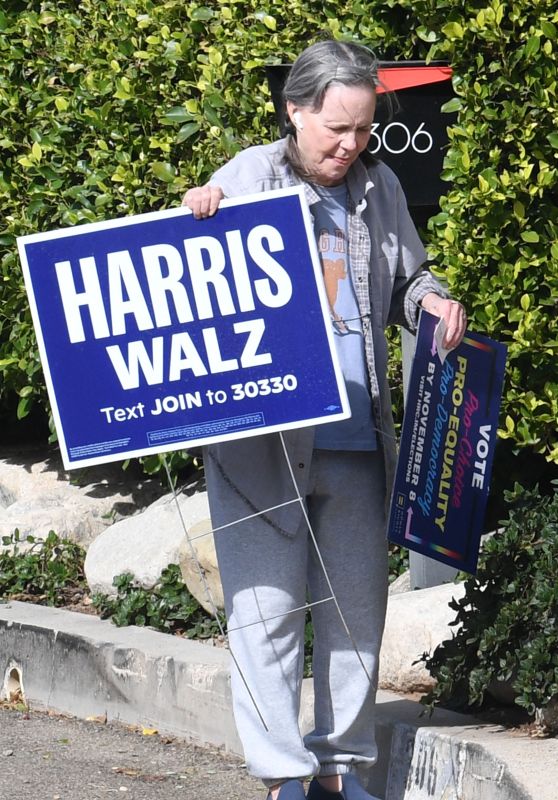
[385, 255]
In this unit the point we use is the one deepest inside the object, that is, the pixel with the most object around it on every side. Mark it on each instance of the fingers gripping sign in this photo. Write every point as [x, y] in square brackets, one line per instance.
[203, 201]
[453, 314]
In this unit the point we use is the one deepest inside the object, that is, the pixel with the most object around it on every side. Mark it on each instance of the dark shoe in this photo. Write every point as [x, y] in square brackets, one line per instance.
[352, 790]
[291, 790]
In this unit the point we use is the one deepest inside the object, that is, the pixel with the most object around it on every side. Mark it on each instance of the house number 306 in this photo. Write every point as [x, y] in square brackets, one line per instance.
[398, 141]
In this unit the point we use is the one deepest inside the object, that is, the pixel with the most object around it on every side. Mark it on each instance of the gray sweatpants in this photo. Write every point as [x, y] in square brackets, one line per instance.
[266, 574]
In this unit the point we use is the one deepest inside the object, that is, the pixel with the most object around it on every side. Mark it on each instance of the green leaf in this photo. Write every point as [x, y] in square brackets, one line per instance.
[123, 91]
[453, 105]
[47, 18]
[164, 171]
[215, 56]
[192, 106]
[202, 14]
[532, 46]
[530, 236]
[483, 184]
[549, 29]
[426, 35]
[23, 407]
[216, 100]
[186, 131]
[212, 117]
[177, 114]
[453, 30]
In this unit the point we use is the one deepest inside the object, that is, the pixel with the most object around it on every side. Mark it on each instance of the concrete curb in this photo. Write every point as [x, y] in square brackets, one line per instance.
[81, 665]
[427, 763]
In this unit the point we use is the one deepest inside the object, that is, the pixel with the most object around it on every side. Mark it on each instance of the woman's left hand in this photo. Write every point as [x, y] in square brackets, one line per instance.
[453, 314]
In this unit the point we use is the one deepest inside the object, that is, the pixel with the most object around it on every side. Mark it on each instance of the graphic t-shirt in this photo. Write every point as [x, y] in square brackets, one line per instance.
[330, 226]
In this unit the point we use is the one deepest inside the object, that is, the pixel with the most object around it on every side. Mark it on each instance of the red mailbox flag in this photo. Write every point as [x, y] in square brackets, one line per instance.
[393, 79]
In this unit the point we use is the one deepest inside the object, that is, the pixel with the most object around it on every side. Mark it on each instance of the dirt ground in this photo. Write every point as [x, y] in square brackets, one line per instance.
[45, 756]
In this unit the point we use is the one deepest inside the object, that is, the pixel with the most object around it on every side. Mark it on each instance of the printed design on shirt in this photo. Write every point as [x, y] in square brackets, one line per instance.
[334, 271]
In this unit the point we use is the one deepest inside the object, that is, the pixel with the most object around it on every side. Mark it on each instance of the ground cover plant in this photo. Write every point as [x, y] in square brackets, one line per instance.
[168, 606]
[506, 623]
[49, 571]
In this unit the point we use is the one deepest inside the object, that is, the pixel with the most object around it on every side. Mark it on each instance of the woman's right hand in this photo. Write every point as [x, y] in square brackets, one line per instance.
[203, 200]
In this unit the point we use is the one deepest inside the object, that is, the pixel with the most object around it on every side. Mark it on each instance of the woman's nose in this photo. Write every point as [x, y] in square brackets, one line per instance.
[348, 142]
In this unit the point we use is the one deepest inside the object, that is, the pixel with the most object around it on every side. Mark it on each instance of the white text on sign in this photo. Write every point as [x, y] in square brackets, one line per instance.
[205, 281]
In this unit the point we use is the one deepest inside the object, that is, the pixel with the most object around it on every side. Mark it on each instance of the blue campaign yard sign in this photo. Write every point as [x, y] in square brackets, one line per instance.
[160, 331]
[447, 447]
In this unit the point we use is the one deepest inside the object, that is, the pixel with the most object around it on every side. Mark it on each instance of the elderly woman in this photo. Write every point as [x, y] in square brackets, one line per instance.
[372, 265]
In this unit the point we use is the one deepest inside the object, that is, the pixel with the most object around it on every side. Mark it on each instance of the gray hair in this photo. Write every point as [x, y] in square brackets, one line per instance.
[326, 63]
[318, 67]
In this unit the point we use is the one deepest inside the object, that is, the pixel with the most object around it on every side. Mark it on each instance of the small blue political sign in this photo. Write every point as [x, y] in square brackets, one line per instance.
[447, 446]
[159, 331]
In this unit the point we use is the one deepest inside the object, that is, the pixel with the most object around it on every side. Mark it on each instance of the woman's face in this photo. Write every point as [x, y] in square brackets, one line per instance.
[331, 139]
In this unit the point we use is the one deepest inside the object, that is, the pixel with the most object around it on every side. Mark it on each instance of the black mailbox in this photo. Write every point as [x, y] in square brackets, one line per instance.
[410, 135]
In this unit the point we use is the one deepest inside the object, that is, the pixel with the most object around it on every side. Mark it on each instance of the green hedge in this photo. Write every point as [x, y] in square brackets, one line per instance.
[497, 235]
[113, 107]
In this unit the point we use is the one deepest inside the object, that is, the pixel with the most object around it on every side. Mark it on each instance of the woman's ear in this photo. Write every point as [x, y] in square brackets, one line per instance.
[294, 115]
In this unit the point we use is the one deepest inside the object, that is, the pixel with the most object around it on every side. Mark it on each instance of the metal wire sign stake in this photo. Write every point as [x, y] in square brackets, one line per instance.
[305, 607]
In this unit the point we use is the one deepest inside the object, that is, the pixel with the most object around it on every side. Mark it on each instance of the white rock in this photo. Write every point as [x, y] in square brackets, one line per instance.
[401, 584]
[37, 495]
[6, 497]
[416, 623]
[144, 544]
[70, 517]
